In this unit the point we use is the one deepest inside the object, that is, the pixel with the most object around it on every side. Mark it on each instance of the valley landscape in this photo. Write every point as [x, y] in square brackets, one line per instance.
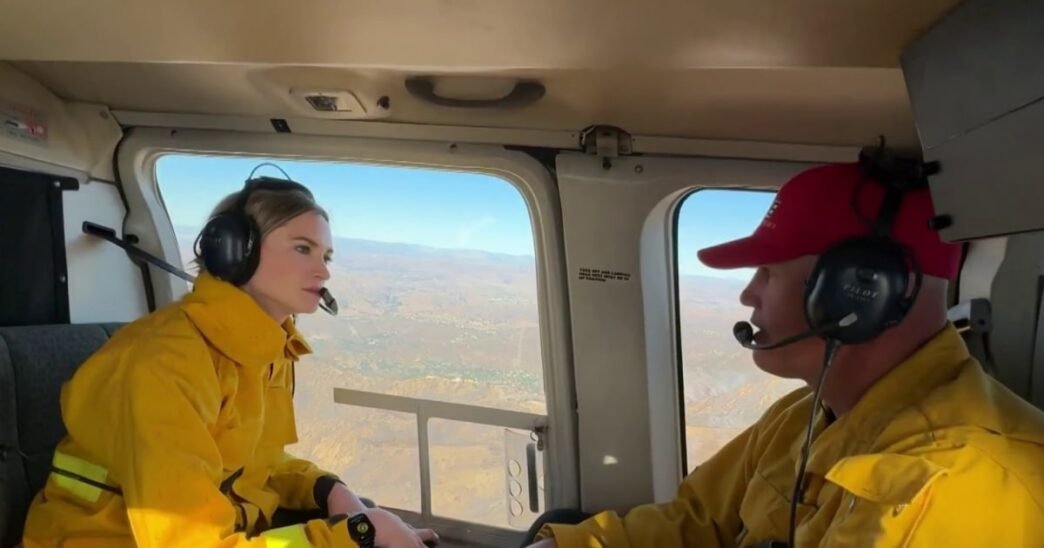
[462, 326]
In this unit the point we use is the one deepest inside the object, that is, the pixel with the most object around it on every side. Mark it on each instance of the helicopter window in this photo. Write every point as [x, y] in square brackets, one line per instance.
[435, 275]
[723, 391]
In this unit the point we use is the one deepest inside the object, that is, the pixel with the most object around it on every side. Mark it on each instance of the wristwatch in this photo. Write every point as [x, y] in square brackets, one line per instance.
[361, 530]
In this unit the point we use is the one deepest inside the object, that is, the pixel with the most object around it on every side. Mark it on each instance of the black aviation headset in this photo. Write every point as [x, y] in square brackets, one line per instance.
[872, 280]
[863, 285]
[229, 246]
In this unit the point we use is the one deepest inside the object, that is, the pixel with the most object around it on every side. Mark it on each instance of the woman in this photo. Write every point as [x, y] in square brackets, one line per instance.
[177, 425]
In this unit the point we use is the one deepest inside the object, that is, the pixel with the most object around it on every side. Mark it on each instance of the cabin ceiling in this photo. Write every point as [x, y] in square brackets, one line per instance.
[798, 71]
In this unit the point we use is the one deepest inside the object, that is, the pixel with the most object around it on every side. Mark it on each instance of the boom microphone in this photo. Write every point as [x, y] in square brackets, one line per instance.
[327, 302]
[744, 333]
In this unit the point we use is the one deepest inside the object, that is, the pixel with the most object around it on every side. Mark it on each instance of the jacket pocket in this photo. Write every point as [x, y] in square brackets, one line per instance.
[883, 497]
[891, 479]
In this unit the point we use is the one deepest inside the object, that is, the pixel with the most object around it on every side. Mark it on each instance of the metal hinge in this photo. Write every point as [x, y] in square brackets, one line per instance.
[539, 435]
[606, 142]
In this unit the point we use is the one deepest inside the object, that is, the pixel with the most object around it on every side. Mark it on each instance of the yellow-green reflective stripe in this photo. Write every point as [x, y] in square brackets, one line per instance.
[79, 467]
[287, 537]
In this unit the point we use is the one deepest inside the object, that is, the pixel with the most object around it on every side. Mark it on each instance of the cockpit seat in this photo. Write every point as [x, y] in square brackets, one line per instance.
[34, 363]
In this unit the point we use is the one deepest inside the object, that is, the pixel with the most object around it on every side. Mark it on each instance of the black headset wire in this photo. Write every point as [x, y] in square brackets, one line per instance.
[879, 227]
[832, 347]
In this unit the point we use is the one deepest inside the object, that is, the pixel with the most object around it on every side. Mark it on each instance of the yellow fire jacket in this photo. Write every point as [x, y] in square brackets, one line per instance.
[936, 453]
[176, 435]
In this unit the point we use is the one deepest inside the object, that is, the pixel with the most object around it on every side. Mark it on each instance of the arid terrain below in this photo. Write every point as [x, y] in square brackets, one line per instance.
[461, 326]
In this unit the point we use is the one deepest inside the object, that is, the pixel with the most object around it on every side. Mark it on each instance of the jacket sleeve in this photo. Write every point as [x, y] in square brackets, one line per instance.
[170, 469]
[301, 485]
[704, 513]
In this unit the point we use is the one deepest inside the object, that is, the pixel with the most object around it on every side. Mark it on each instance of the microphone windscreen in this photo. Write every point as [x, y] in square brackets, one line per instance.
[743, 331]
[329, 303]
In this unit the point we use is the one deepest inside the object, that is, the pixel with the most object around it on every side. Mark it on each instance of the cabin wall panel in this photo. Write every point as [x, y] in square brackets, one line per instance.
[104, 285]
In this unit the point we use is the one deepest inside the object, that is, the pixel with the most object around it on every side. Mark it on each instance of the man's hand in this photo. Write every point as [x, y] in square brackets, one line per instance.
[392, 532]
[342, 501]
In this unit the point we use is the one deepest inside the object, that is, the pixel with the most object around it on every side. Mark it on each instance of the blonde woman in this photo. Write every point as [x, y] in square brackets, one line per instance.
[177, 425]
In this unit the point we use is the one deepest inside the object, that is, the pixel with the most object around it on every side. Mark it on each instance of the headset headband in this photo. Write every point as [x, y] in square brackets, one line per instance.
[266, 183]
[897, 175]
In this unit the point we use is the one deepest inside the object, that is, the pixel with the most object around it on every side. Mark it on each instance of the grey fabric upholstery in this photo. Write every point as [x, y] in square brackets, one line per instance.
[34, 363]
[13, 486]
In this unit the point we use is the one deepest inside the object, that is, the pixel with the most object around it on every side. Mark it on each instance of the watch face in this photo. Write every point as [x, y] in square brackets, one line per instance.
[361, 530]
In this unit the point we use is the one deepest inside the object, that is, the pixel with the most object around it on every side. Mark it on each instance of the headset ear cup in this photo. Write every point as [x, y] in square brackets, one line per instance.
[868, 276]
[251, 254]
[229, 246]
[918, 278]
[196, 250]
[223, 246]
[816, 302]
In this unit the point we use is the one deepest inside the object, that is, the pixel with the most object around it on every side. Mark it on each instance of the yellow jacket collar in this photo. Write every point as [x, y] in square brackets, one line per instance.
[234, 324]
[939, 360]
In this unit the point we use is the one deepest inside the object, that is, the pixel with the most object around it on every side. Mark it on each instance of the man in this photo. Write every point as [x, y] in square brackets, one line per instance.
[916, 446]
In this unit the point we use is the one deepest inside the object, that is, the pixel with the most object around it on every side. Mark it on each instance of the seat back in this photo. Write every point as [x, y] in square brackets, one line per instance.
[35, 361]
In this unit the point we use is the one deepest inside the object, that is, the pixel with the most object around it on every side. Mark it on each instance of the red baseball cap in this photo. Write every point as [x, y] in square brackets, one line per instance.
[814, 211]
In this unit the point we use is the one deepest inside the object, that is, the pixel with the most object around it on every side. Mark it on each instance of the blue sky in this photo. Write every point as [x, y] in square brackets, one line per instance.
[432, 207]
[709, 217]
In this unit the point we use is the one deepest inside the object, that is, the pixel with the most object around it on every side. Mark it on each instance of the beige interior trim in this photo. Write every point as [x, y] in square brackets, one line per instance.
[341, 128]
[69, 135]
[472, 35]
[815, 72]
[563, 140]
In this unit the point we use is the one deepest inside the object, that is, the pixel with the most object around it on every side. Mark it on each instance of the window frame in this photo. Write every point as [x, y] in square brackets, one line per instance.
[618, 216]
[676, 281]
[149, 221]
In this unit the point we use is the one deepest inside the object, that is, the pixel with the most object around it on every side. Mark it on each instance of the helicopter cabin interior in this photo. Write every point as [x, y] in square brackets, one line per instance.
[517, 191]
